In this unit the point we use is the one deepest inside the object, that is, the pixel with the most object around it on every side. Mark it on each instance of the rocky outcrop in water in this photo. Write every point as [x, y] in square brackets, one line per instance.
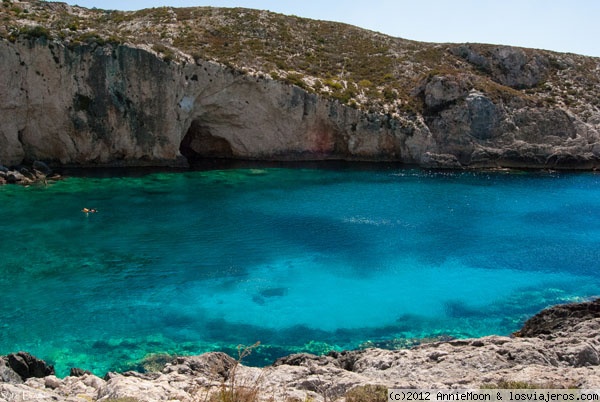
[559, 319]
[39, 172]
[18, 367]
[558, 348]
[74, 96]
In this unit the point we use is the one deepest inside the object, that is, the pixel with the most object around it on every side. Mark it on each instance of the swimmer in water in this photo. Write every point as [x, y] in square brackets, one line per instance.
[89, 210]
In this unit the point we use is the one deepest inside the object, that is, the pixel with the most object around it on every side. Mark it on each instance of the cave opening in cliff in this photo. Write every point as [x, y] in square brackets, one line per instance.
[199, 144]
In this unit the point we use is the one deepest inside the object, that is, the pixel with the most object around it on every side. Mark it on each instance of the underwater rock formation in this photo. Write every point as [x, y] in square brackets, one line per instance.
[543, 355]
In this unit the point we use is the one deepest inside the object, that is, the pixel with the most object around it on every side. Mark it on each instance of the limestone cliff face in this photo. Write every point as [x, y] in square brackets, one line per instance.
[495, 125]
[110, 105]
[113, 105]
[86, 105]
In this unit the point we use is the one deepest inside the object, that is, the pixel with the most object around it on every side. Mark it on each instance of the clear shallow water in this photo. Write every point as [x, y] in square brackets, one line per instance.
[298, 259]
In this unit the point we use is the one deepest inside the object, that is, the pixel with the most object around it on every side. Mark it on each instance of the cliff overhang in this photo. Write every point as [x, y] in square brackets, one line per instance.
[81, 97]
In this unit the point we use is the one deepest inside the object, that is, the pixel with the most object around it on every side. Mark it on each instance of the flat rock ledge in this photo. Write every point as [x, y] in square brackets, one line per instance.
[557, 348]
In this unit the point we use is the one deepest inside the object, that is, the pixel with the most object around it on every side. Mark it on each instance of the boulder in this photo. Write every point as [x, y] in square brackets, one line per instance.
[440, 161]
[559, 318]
[7, 374]
[209, 364]
[14, 177]
[511, 66]
[41, 167]
[441, 91]
[28, 366]
[300, 359]
[77, 372]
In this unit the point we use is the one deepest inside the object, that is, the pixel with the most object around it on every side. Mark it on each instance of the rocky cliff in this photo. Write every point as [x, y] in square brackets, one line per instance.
[165, 86]
[558, 348]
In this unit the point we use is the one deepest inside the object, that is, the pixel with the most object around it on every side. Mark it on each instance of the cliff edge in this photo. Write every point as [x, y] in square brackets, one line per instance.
[558, 348]
[171, 86]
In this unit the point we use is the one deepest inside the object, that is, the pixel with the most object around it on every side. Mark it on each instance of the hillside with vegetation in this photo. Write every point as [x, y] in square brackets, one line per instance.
[356, 66]
[407, 81]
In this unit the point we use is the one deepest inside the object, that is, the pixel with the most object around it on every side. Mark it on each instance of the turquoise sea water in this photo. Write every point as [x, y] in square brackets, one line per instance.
[298, 259]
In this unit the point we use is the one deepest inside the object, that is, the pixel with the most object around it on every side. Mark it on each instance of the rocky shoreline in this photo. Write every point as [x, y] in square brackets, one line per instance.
[557, 348]
[38, 172]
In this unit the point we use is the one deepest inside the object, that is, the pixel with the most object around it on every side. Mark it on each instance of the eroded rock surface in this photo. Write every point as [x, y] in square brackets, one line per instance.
[558, 348]
[117, 105]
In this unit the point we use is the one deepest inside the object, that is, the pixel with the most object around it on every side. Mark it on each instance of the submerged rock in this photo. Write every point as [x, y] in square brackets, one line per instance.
[558, 348]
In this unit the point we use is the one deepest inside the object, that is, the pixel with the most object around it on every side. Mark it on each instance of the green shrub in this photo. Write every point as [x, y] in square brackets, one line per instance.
[91, 37]
[36, 32]
[343, 96]
[367, 393]
[334, 85]
[115, 40]
[389, 94]
[167, 54]
[295, 79]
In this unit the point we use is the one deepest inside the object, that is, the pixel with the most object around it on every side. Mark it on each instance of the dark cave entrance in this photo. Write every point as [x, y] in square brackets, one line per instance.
[199, 145]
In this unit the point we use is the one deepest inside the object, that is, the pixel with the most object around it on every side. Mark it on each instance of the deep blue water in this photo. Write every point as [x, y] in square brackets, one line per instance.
[298, 259]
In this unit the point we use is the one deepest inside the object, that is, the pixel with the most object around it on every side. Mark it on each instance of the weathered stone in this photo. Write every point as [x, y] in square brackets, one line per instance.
[209, 364]
[484, 116]
[52, 382]
[560, 351]
[28, 366]
[7, 374]
[300, 359]
[441, 91]
[77, 372]
[14, 177]
[510, 66]
[42, 167]
[28, 174]
[559, 318]
[123, 105]
[440, 161]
